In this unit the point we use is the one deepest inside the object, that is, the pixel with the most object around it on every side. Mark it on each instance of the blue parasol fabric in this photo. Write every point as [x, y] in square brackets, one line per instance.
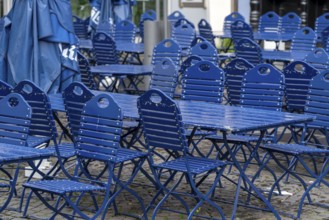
[38, 43]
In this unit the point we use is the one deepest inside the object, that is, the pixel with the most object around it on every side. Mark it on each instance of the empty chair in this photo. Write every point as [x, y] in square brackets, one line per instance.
[165, 77]
[105, 49]
[167, 48]
[205, 30]
[318, 58]
[165, 134]
[290, 23]
[249, 50]
[149, 14]
[240, 30]
[228, 21]
[86, 77]
[98, 141]
[234, 73]
[183, 34]
[263, 87]
[206, 51]
[298, 76]
[321, 23]
[125, 31]
[80, 27]
[316, 105]
[203, 81]
[174, 17]
[269, 26]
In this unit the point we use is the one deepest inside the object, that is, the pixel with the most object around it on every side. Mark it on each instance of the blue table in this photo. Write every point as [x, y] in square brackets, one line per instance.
[224, 118]
[11, 154]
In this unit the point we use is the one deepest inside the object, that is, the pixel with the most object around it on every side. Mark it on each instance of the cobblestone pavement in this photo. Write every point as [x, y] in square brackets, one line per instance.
[287, 203]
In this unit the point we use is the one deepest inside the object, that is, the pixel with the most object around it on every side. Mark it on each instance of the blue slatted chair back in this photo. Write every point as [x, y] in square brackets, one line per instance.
[42, 121]
[174, 17]
[198, 39]
[325, 39]
[161, 121]
[206, 51]
[298, 75]
[5, 89]
[205, 31]
[165, 77]
[318, 100]
[263, 87]
[303, 41]
[183, 34]
[80, 27]
[105, 27]
[240, 30]
[229, 20]
[105, 49]
[188, 62]
[75, 96]
[15, 119]
[321, 23]
[290, 23]
[203, 81]
[149, 14]
[125, 31]
[318, 58]
[100, 129]
[269, 23]
[234, 74]
[183, 21]
[84, 67]
[167, 48]
[249, 50]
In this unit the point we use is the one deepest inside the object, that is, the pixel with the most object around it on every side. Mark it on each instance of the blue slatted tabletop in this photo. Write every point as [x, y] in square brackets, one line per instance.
[209, 115]
[119, 70]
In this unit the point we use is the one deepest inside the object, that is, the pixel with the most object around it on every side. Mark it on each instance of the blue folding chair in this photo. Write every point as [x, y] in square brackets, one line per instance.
[249, 50]
[290, 23]
[165, 77]
[240, 30]
[167, 48]
[268, 27]
[318, 58]
[174, 17]
[125, 31]
[163, 130]
[105, 49]
[321, 23]
[181, 21]
[80, 27]
[206, 51]
[183, 34]
[234, 74]
[205, 30]
[228, 21]
[317, 102]
[298, 76]
[149, 14]
[84, 67]
[98, 141]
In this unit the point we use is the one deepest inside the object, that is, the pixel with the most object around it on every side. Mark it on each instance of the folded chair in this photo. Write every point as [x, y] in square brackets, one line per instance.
[317, 105]
[98, 140]
[183, 34]
[318, 58]
[163, 130]
[205, 30]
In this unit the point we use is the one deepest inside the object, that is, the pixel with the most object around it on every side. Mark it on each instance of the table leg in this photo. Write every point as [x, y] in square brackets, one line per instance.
[244, 177]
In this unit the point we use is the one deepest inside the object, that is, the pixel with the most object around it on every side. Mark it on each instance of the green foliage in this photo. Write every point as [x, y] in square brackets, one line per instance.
[81, 8]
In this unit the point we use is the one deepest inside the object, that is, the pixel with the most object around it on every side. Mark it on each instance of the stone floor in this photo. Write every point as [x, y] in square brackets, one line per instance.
[285, 203]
